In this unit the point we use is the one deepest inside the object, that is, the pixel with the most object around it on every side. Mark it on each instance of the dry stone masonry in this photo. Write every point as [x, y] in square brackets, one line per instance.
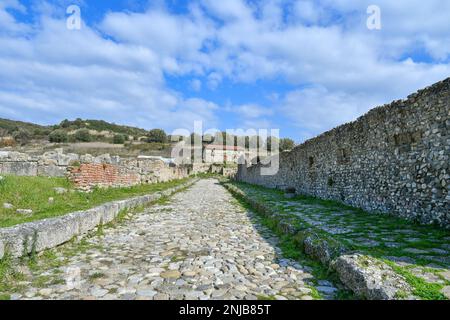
[394, 159]
[87, 171]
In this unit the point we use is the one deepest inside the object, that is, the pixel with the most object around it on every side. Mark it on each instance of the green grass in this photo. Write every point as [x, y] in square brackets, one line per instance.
[34, 193]
[421, 288]
[8, 275]
[97, 275]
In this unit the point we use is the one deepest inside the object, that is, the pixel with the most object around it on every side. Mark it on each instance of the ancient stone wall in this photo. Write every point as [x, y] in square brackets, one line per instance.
[394, 159]
[87, 171]
[89, 175]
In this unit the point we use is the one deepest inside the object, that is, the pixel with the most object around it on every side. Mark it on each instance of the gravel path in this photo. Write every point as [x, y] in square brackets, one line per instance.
[200, 245]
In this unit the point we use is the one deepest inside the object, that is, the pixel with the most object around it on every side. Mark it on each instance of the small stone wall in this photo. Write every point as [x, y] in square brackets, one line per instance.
[395, 159]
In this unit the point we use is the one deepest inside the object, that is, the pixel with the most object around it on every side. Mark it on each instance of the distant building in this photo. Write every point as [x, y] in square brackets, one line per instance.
[221, 153]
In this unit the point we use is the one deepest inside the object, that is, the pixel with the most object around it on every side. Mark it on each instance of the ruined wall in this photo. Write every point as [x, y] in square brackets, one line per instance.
[51, 164]
[87, 171]
[394, 159]
[89, 175]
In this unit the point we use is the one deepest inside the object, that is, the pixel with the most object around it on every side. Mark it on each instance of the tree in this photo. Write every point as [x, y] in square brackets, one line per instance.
[65, 123]
[119, 139]
[286, 144]
[83, 135]
[157, 136]
[79, 123]
[58, 136]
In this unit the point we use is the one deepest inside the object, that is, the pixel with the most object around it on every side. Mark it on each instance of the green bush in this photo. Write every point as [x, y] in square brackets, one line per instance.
[58, 136]
[286, 144]
[157, 135]
[119, 139]
[83, 135]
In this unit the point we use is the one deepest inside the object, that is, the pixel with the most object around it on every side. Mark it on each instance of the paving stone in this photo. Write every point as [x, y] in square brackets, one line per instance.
[146, 293]
[172, 274]
[414, 250]
[445, 275]
[326, 289]
[446, 292]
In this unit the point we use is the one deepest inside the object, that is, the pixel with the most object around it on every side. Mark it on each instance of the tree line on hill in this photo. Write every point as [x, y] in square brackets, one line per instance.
[80, 130]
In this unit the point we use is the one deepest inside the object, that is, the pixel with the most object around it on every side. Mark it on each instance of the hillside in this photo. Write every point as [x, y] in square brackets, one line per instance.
[23, 132]
[8, 127]
[100, 125]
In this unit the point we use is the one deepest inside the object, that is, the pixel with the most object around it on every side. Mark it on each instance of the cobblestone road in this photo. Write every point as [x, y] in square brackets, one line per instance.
[200, 245]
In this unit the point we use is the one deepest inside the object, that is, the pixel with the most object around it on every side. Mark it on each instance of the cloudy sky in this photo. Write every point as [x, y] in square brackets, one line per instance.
[300, 66]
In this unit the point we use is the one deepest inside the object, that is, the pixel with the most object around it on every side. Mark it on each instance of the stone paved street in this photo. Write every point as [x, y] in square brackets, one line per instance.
[200, 245]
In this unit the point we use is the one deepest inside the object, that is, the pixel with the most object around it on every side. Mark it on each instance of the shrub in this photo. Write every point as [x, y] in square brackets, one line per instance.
[83, 135]
[157, 135]
[7, 142]
[119, 139]
[58, 136]
[286, 144]
[22, 136]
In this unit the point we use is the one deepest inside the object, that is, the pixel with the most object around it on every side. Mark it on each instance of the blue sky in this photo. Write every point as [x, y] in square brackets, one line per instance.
[299, 66]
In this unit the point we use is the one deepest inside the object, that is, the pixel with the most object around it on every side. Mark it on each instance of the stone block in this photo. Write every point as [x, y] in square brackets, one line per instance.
[51, 171]
[110, 212]
[18, 240]
[54, 232]
[370, 278]
[20, 168]
[89, 219]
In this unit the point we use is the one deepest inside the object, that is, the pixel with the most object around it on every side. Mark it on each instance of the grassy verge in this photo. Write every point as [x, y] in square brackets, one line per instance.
[34, 193]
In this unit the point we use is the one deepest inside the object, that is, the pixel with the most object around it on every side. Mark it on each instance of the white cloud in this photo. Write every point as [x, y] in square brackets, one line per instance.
[176, 40]
[252, 111]
[59, 73]
[316, 109]
[117, 69]
[8, 24]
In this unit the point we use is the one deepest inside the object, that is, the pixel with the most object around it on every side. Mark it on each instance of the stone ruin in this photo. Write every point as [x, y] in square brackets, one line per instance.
[394, 159]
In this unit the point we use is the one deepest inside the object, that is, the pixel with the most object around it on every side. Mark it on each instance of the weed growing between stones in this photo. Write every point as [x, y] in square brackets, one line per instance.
[97, 275]
[8, 276]
[422, 289]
